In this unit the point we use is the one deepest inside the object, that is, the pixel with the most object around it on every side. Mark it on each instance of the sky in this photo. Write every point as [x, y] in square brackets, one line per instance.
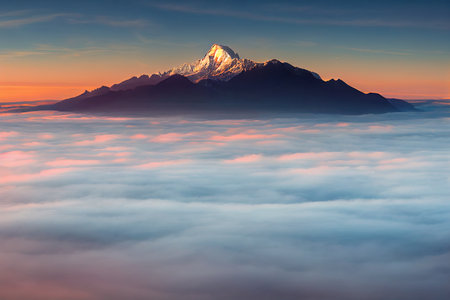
[316, 207]
[57, 49]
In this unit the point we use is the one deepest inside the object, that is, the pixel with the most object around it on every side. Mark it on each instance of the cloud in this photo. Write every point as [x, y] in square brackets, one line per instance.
[46, 136]
[43, 50]
[320, 19]
[28, 17]
[72, 162]
[102, 138]
[243, 136]
[39, 176]
[14, 13]
[244, 159]
[7, 134]
[32, 20]
[309, 156]
[16, 158]
[378, 51]
[225, 209]
[159, 164]
[169, 137]
[113, 22]
[139, 136]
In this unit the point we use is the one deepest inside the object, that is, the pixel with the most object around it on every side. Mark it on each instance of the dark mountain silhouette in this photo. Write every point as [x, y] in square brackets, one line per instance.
[402, 105]
[270, 87]
[138, 81]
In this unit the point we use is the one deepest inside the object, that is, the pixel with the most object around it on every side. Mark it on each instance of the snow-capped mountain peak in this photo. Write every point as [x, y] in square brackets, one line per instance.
[220, 62]
[220, 54]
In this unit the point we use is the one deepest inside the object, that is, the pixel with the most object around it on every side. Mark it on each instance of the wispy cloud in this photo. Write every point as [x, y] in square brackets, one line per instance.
[32, 20]
[109, 21]
[63, 52]
[15, 13]
[319, 20]
[377, 51]
[27, 17]
[57, 51]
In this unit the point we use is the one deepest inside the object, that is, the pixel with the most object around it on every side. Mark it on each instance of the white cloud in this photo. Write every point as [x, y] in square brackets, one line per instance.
[322, 207]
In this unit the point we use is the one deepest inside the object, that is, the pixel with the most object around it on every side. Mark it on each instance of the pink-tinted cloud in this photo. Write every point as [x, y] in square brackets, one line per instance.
[16, 158]
[243, 136]
[192, 150]
[120, 160]
[375, 129]
[33, 144]
[6, 147]
[319, 170]
[72, 162]
[46, 136]
[289, 129]
[14, 178]
[139, 137]
[116, 154]
[367, 155]
[399, 160]
[116, 148]
[271, 142]
[244, 159]
[340, 124]
[74, 117]
[312, 131]
[7, 134]
[103, 138]
[158, 164]
[122, 154]
[343, 162]
[308, 155]
[169, 137]
[381, 128]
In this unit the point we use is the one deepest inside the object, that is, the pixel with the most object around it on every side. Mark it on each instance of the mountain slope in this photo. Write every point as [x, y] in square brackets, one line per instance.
[219, 63]
[269, 87]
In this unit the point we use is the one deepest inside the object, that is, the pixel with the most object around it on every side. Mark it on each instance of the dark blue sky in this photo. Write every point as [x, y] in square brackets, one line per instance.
[372, 44]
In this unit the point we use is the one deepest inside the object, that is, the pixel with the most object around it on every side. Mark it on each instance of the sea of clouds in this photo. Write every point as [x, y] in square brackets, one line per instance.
[268, 207]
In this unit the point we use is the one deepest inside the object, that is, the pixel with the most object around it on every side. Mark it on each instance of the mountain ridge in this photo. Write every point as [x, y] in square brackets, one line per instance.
[219, 63]
[222, 82]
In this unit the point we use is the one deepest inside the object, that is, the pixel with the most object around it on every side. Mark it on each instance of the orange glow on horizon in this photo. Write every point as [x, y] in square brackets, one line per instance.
[46, 81]
[404, 90]
[29, 92]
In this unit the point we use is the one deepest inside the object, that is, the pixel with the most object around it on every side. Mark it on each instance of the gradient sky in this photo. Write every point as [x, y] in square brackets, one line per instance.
[57, 49]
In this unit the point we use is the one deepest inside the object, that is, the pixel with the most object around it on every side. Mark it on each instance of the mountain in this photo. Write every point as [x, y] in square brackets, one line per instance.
[270, 87]
[138, 81]
[220, 63]
[222, 82]
[402, 105]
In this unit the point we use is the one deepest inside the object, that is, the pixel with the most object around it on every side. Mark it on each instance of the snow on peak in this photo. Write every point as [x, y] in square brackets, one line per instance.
[220, 52]
[220, 62]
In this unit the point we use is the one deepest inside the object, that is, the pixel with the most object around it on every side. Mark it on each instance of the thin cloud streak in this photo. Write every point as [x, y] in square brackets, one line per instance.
[15, 13]
[71, 18]
[32, 20]
[315, 21]
[378, 51]
[49, 50]
[104, 20]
